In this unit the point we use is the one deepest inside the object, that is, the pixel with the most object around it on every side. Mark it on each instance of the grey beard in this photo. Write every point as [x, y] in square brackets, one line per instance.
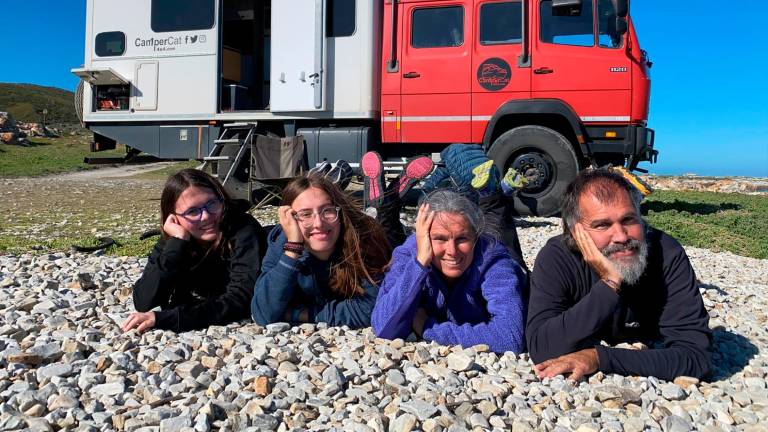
[630, 272]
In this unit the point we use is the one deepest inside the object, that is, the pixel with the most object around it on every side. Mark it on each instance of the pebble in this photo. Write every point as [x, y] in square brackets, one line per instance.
[459, 362]
[70, 367]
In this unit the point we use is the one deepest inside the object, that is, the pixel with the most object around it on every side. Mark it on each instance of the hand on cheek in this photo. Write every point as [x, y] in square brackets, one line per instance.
[604, 268]
[173, 228]
[289, 224]
[424, 219]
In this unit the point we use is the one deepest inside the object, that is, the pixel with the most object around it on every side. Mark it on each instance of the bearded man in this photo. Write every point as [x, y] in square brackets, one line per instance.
[611, 278]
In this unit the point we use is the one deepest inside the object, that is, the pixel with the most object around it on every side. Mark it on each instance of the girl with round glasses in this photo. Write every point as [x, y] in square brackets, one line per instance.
[202, 270]
[324, 260]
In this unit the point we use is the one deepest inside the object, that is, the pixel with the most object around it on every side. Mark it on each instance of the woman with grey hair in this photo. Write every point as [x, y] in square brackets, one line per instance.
[452, 281]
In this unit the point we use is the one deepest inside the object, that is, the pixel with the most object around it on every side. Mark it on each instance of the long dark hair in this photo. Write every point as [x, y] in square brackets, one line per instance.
[351, 262]
[181, 181]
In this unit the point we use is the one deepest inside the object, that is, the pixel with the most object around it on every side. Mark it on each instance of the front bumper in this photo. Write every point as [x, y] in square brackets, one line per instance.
[634, 143]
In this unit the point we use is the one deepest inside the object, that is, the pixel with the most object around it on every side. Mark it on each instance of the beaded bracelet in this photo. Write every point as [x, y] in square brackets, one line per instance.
[295, 247]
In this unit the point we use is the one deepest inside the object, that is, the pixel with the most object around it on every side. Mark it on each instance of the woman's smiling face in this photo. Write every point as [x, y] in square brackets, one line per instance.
[453, 244]
[320, 236]
[206, 229]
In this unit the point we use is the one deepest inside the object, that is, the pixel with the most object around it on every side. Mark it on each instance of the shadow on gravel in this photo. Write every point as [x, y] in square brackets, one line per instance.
[688, 207]
[719, 290]
[522, 223]
[731, 352]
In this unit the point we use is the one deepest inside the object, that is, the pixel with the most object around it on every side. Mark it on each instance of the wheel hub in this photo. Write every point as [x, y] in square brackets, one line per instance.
[535, 168]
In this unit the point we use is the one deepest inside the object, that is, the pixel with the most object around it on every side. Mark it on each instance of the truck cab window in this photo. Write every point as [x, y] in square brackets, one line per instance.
[110, 44]
[340, 21]
[500, 23]
[607, 36]
[182, 15]
[574, 29]
[438, 27]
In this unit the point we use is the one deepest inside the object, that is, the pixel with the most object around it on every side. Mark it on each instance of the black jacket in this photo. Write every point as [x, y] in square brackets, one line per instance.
[571, 309]
[194, 290]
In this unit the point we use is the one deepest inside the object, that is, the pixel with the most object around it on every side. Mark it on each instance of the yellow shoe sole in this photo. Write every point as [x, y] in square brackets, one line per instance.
[481, 174]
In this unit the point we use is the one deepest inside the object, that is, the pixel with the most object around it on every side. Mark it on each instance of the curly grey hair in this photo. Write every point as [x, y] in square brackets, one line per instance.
[449, 201]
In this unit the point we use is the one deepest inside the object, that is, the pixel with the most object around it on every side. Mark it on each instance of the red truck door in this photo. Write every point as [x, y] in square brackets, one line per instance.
[581, 59]
[435, 72]
[496, 76]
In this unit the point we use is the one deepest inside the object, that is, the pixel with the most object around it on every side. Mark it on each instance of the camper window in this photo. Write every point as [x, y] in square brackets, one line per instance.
[341, 18]
[182, 15]
[110, 44]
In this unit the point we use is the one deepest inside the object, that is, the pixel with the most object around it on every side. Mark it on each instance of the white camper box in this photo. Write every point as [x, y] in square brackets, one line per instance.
[165, 76]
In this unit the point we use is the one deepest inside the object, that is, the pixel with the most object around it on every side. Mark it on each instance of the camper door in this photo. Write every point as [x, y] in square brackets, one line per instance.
[297, 76]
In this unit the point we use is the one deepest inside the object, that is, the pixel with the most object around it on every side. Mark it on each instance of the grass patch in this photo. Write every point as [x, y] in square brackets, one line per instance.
[124, 246]
[163, 173]
[716, 221]
[46, 156]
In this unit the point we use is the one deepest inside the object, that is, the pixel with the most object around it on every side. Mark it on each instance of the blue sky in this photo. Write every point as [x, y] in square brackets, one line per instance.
[709, 98]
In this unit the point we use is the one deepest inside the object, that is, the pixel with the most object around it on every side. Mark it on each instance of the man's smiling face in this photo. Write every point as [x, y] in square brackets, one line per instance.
[617, 230]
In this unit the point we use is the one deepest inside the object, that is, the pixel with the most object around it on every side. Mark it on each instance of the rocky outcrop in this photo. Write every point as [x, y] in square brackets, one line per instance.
[10, 132]
[742, 185]
[37, 130]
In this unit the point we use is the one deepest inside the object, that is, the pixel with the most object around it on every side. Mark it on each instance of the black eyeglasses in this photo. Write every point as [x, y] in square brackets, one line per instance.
[195, 214]
[327, 214]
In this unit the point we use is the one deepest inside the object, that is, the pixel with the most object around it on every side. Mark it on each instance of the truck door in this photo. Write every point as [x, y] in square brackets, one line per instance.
[297, 79]
[581, 59]
[435, 72]
[496, 75]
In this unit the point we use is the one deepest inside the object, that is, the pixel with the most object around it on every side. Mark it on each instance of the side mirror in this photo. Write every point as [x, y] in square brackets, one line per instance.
[622, 8]
[566, 7]
[621, 25]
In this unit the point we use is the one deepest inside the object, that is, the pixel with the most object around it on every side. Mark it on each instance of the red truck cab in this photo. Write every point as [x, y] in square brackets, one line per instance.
[546, 86]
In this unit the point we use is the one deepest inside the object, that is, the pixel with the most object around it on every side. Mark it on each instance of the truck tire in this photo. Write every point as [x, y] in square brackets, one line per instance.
[542, 155]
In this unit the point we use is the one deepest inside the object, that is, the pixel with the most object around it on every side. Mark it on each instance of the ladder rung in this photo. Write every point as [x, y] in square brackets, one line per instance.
[225, 141]
[216, 158]
[238, 125]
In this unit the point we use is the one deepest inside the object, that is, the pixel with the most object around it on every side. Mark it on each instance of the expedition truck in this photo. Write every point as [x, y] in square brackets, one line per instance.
[546, 86]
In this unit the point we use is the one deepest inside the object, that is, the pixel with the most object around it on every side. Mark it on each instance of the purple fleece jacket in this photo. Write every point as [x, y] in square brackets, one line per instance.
[485, 306]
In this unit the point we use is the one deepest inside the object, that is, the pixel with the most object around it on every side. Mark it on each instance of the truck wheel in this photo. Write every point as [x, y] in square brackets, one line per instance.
[545, 157]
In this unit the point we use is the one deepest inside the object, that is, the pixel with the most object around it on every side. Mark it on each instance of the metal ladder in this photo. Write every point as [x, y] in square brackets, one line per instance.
[228, 131]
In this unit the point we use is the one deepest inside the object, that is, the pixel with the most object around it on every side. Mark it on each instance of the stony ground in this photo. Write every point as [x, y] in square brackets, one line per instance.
[65, 364]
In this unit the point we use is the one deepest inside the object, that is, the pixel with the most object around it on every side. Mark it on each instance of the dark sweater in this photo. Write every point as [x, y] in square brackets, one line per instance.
[570, 309]
[195, 290]
[287, 284]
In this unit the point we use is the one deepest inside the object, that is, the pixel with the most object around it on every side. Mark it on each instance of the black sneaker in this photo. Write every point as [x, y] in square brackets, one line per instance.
[341, 174]
[320, 169]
